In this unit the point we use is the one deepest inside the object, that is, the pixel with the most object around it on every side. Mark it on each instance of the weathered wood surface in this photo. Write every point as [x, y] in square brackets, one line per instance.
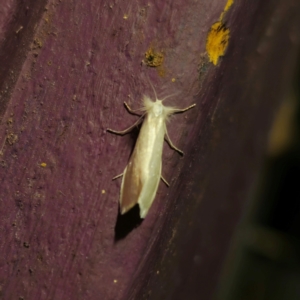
[65, 69]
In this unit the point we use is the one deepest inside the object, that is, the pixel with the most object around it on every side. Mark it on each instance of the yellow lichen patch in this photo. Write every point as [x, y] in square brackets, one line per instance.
[218, 37]
[173, 79]
[153, 58]
[228, 5]
[217, 41]
[43, 165]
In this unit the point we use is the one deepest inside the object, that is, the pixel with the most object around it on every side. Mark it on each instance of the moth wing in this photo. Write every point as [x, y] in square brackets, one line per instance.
[131, 186]
[148, 192]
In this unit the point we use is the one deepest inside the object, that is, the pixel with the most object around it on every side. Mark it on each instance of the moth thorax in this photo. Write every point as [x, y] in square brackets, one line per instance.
[158, 108]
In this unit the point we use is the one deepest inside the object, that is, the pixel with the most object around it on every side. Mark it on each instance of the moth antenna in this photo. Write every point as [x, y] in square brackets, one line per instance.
[152, 88]
[170, 96]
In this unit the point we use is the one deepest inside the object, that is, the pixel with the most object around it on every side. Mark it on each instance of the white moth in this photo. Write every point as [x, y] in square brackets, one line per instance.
[143, 172]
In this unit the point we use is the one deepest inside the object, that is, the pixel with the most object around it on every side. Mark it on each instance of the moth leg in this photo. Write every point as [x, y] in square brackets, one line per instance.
[178, 111]
[171, 144]
[165, 181]
[130, 110]
[127, 129]
[116, 177]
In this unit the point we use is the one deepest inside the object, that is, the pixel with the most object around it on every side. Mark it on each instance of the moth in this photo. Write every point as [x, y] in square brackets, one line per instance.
[143, 172]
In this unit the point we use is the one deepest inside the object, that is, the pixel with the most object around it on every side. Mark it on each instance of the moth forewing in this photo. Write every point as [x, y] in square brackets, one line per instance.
[143, 172]
[153, 137]
[148, 193]
[140, 181]
[127, 194]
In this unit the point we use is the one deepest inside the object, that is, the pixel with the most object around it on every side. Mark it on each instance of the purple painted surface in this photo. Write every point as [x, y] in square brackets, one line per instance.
[74, 64]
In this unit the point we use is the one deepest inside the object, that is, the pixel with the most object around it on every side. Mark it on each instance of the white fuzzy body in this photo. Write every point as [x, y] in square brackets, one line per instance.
[143, 172]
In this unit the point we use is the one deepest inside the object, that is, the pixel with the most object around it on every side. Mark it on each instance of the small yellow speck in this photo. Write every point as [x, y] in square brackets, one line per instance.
[115, 280]
[157, 272]
[173, 79]
[125, 17]
[103, 191]
[44, 165]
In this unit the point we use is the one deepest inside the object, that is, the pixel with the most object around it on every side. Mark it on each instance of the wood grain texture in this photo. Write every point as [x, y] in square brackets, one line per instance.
[63, 79]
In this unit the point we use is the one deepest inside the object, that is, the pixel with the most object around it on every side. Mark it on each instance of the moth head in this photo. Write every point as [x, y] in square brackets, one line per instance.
[158, 108]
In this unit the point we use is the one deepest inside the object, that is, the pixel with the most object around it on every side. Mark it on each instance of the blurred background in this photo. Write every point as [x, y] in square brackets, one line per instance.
[264, 260]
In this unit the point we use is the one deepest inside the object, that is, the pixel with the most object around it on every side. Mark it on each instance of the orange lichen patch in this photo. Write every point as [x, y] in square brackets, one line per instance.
[217, 41]
[153, 58]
